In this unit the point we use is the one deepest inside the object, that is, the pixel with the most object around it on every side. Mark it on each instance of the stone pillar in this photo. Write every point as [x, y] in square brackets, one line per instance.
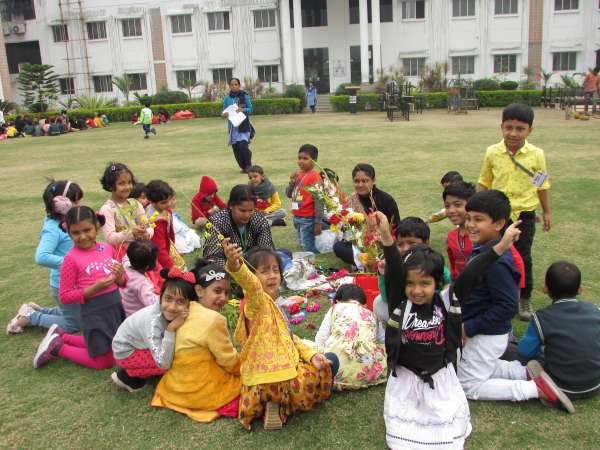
[5, 86]
[158, 48]
[364, 41]
[298, 42]
[376, 38]
[536, 34]
[286, 42]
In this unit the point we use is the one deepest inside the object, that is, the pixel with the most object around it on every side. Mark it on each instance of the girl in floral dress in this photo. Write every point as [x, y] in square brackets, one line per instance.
[350, 331]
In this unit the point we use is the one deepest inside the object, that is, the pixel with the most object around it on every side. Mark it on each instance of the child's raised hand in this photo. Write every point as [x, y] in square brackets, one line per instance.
[379, 221]
[233, 253]
[320, 361]
[381, 266]
[511, 235]
[178, 321]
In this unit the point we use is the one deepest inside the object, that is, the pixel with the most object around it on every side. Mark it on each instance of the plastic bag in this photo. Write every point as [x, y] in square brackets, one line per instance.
[324, 241]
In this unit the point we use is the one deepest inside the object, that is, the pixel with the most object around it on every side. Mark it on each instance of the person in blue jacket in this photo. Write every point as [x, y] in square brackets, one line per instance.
[240, 136]
[311, 96]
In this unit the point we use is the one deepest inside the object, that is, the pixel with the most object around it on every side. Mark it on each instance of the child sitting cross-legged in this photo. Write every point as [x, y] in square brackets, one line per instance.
[350, 331]
[424, 406]
[204, 380]
[267, 197]
[144, 343]
[139, 291]
[565, 335]
[489, 302]
[280, 375]
[206, 202]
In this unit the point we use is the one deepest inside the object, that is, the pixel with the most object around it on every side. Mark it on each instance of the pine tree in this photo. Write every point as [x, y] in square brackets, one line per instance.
[39, 85]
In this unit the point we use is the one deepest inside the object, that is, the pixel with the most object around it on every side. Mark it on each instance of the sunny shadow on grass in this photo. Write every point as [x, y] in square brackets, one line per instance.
[63, 406]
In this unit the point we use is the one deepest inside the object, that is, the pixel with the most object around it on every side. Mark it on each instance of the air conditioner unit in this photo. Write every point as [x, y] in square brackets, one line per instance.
[6, 29]
[19, 28]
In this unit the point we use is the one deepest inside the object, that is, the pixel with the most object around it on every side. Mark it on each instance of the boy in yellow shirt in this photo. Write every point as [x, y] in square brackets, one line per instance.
[268, 201]
[518, 169]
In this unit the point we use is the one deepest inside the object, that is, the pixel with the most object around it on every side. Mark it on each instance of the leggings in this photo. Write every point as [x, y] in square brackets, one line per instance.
[243, 154]
[74, 349]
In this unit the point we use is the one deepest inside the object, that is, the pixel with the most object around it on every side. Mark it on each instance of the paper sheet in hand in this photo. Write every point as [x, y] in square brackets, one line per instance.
[235, 117]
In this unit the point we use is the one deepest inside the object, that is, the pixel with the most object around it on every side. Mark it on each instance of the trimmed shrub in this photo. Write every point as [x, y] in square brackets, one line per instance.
[504, 98]
[169, 97]
[486, 84]
[434, 100]
[297, 91]
[341, 89]
[340, 102]
[201, 109]
[509, 85]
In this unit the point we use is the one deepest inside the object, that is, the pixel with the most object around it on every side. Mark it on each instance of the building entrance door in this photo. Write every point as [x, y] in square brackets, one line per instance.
[355, 76]
[316, 68]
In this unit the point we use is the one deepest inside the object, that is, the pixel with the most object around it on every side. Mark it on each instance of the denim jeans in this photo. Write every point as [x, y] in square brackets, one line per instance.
[305, 230]
[68, 317]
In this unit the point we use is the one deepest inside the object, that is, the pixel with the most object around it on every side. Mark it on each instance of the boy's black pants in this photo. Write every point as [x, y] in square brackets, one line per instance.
[242, 154]
[523, 245]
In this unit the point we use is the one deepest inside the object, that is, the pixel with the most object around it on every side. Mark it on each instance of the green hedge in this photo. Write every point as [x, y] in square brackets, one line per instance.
[439, 100]
[204, 109]
[502, 98]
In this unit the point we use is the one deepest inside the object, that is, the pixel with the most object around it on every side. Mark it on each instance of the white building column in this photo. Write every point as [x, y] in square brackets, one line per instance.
[286, 41]
[376, 38]
[298, 41]
[364, 40]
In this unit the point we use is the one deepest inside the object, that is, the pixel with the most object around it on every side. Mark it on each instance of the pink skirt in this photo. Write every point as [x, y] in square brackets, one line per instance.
[140, 364]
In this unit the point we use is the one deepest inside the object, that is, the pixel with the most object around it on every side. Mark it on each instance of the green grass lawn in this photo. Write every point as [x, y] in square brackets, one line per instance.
[65, 406]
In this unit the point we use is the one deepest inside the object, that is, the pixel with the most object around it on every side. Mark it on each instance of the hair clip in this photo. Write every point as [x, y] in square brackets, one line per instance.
[177, 273]
[113, 168]
[213, 275]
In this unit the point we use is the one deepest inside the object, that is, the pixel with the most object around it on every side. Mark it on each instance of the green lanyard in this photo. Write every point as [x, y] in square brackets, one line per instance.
[244, 239]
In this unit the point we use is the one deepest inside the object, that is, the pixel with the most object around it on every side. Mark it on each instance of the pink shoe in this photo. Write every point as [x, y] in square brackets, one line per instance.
[55, 329]
[48, 349]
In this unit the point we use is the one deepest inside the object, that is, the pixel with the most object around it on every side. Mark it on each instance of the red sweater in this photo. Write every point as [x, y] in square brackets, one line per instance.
[200, 204]
[459, 250]
[306, 204]
[162, 238]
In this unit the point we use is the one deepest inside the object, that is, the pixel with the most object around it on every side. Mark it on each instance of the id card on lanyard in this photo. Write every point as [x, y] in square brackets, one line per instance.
[537, 178]
[297, 197]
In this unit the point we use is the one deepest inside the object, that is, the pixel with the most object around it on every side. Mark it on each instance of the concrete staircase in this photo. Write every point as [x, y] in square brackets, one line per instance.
[323, 104]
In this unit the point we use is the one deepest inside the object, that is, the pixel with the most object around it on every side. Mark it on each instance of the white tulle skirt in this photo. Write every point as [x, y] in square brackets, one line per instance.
[418, 417]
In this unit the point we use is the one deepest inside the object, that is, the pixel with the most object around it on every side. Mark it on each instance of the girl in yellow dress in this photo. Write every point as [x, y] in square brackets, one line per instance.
[280, 375]
[204, 380]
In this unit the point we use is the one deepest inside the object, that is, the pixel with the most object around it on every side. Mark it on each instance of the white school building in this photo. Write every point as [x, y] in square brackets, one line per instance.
[163, 43]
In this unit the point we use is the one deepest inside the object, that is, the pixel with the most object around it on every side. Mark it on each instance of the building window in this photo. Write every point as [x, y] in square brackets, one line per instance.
[184, 77]
[566, 5]
[222, 75]
[505, 63]
[386, 11]
[463, 65]
[564, 61]
[268, 74]
[60, 33]
[463, 8]
[131, 27]
[413, 67]
[67, 86]
[181, 24]
[314, 13]
[264, 18]
[413, 9]
[103, 83]
[506, 7]
[138, 81]
[96, 30]
[218, 21]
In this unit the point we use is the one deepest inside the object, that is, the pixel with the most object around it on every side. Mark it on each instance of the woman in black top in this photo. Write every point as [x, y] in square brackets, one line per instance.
[367, 198]
[240, 222]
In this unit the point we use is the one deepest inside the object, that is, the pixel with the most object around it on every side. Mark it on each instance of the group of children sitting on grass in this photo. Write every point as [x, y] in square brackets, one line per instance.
[61, 123]
[438, 340]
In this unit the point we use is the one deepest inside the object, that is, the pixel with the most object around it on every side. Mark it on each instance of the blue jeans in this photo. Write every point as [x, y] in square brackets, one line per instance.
[147, 127]
[305, 230]
[68, 317]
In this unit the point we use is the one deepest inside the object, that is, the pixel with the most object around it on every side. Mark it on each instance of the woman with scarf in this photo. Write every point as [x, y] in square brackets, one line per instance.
[367, 198]
[240, 136]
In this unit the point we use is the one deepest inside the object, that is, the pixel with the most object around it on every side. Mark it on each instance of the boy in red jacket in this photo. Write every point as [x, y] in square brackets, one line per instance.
[206, 202]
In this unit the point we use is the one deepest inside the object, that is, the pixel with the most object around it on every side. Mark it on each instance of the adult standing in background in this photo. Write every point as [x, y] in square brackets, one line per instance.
[311, 96]
[240, 136]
